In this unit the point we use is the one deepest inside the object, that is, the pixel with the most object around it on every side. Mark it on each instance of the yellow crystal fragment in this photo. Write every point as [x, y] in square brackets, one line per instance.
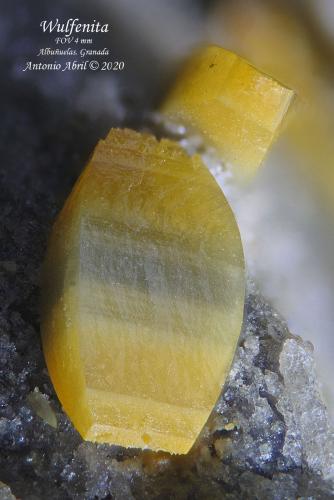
[143, 295]
[302, 60]
[236, 108]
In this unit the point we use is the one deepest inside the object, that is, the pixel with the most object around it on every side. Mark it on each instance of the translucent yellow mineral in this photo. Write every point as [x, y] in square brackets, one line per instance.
[303, 59]
[236, 108]
[143, 295]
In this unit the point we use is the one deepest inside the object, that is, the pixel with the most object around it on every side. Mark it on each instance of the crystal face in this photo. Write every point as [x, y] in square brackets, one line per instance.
[236, 107]
[143, 295]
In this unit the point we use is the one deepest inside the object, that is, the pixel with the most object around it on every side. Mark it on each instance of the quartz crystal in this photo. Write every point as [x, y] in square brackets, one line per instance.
[234, 106]
[143, 295]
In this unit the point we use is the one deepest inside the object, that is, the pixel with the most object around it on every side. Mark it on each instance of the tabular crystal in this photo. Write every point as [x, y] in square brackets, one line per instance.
[236, 107]
[143, 295]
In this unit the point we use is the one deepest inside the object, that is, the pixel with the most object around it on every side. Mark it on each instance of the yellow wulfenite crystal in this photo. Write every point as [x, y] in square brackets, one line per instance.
[144, 295]
[233, 105]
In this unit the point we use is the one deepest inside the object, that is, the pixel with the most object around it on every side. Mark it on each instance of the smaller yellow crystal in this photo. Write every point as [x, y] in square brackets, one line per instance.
[234, 106]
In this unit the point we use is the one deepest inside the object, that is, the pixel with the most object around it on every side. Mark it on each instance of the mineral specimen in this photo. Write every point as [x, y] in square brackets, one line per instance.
[44, 142]
[233, 105]
[40, 404]
[143, 296]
